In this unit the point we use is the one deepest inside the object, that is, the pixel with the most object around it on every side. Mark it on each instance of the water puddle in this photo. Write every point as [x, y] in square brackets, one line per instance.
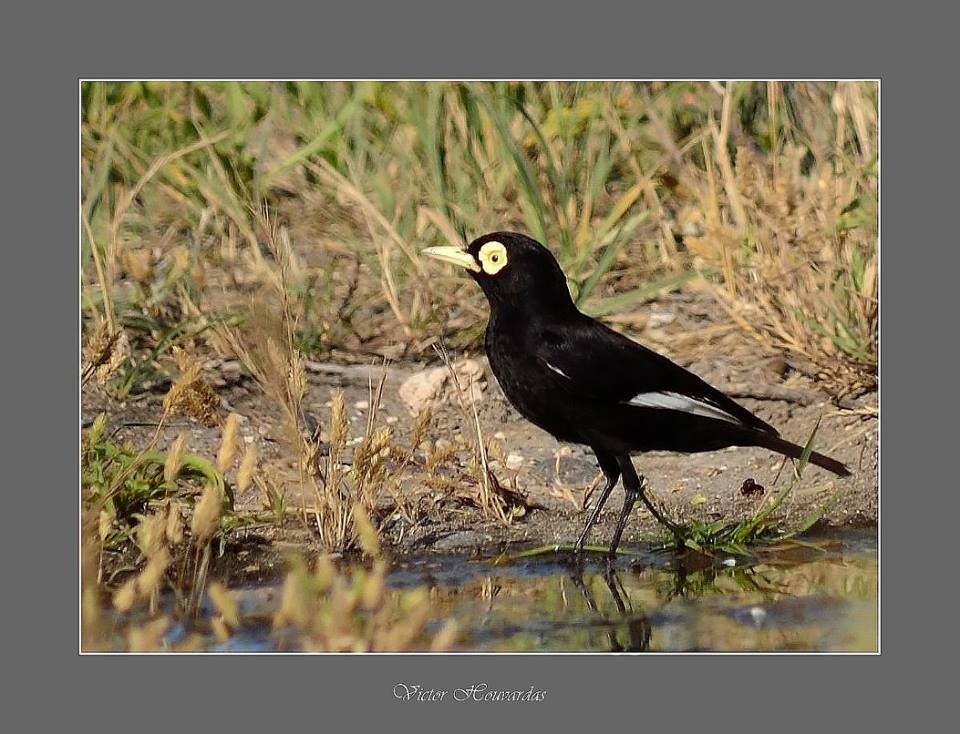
[820, 596]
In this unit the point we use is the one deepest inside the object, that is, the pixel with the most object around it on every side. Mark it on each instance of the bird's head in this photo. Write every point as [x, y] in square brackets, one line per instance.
[512, 269]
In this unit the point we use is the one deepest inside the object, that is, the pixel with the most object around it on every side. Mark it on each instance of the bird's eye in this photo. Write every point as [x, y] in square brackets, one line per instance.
[493, 257]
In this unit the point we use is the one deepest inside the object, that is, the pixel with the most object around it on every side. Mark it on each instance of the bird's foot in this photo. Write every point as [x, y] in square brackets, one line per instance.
[678, 531]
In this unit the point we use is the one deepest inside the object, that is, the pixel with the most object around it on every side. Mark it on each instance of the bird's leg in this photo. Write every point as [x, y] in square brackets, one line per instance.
[634, 487]
[673, 527]
[624, 514]
[613, 584]
[611, 470]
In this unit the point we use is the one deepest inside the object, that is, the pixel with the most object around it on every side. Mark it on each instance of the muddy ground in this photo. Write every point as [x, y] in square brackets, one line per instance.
[686, 326]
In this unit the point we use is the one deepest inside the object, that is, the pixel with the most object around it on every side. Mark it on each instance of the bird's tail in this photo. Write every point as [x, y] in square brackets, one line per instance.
[782, 446]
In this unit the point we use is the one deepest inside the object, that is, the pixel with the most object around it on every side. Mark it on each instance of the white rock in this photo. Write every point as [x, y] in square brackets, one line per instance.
[434, 384]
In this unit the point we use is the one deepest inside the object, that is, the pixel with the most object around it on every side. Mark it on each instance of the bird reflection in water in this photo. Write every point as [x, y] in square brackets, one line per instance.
[637, 625]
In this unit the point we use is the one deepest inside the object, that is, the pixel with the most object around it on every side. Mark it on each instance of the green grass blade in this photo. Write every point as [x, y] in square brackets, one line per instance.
[639, 295]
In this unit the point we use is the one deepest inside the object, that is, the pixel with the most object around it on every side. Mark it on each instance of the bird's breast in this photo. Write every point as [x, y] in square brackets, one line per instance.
[525, 382]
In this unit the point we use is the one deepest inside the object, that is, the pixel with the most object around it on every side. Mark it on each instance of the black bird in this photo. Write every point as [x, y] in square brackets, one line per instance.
[585, 383]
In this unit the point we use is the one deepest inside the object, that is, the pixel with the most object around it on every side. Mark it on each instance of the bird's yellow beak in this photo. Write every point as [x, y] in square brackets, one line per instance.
[453, 255]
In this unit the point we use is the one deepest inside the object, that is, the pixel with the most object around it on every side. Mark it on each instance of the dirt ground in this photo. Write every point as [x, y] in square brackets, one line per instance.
[686, 326]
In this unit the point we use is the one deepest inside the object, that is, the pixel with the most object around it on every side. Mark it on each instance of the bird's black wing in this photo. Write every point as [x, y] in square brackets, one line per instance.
[591, 361]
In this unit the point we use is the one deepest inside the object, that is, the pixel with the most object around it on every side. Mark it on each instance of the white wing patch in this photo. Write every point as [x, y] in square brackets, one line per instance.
[682, 403]
[557, 370]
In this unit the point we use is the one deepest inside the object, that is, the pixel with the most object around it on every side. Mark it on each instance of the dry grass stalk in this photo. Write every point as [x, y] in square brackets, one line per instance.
[799, 272]
[174, 462]
[490, 501]
[228, 444]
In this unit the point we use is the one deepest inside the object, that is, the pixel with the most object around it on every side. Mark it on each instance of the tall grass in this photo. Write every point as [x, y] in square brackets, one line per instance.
[767, 189]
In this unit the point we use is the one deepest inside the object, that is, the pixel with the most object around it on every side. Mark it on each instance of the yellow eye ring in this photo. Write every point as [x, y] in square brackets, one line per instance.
[493, 257]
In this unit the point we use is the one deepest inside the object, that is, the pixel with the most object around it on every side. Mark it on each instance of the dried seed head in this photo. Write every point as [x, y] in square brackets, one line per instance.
[190, 394]
[182, 359]
[297, 376]
[99, 345]
[206, 515]
[96, 430]
[220, 630]
[294, 604]
[420, 429]
[401, 635]
[338, 424]
[152, 574]
[495, 451]
[149, 637]
[125, 596]
[105, 352]
[174, 529]
[228, 446]
[440, 453]
[276, 357]
[324, 573]
[104, 525]
[119, 354]
[225, 604]
[247, 467]
[150, 533]
[366, 534]
[373, 587]
[446, 637]
[139, 264]
[174, 461]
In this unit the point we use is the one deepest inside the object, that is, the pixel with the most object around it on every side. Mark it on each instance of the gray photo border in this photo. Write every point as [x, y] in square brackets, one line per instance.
[184, 40]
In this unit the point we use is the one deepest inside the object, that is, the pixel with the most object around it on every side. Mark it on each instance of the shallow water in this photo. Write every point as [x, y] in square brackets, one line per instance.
[796, 598]
[821, 596]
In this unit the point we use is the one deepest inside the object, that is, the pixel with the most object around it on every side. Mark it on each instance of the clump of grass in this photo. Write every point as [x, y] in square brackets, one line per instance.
[793, 234]
[351, 498]
[323, 609]
[735, 537]
[761, 528]
[353, 612]
[121, 483]
[770, 187]
[493, 498]
[273, 358]
[312, 200]
[136, 502]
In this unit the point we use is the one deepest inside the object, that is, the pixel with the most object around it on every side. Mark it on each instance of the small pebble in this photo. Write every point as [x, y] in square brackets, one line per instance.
[514, 461]
[729, 561]
[361, 405]
[391, 419]
[499, 435]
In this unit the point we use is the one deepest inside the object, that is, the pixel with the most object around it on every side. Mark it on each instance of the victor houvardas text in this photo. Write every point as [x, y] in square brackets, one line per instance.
[478, 692]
